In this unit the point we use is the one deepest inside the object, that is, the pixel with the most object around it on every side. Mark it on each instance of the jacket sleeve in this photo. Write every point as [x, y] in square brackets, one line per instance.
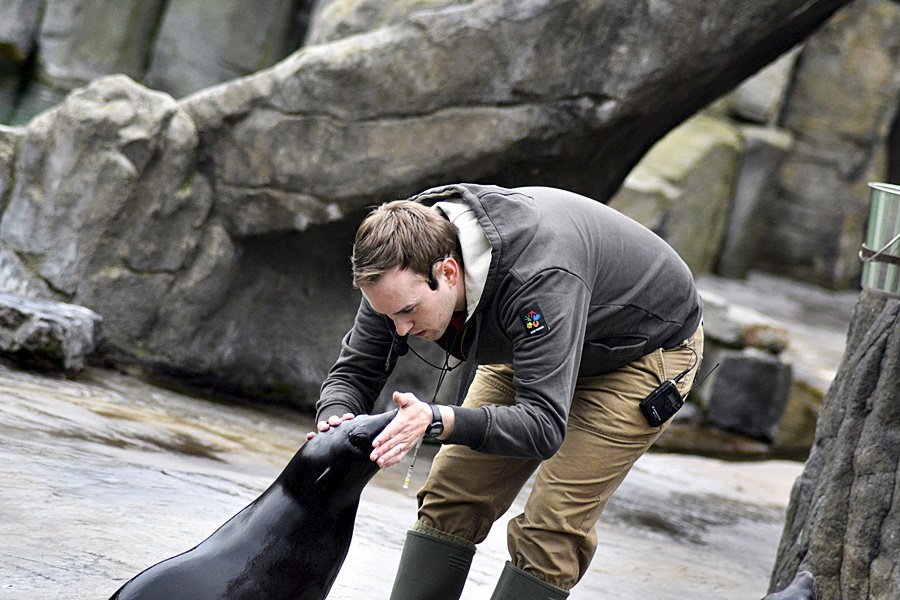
[362, 368]
[545, 362]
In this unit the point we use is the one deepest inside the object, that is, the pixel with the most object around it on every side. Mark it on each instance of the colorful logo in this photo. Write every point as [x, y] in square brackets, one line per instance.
[533, 319]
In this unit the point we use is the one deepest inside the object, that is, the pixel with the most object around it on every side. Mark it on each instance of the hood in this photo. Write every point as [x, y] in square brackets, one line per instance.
[507, 217]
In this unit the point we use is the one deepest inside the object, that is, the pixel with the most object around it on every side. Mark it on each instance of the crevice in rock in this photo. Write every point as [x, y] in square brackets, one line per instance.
[154, 36]
[302, 16]
[11, 181]
[893, 149]
[30, 261]
[138, 271]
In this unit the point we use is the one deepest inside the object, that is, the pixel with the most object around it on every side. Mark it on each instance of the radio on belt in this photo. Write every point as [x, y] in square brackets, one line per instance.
[663, 402]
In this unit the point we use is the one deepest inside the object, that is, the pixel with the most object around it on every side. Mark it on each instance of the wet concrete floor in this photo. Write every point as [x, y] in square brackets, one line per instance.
[103, 476]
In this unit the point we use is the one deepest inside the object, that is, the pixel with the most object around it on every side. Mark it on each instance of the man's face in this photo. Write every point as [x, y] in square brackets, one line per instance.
[415, 308]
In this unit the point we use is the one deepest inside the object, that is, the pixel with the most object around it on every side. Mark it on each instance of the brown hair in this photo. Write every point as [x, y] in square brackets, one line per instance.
[403, 234]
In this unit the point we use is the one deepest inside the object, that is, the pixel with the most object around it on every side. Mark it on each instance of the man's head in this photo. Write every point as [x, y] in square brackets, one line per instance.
[406, 264]
[403, 235]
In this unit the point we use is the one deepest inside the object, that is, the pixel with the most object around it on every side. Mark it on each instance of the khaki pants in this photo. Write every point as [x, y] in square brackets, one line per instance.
[554, 538]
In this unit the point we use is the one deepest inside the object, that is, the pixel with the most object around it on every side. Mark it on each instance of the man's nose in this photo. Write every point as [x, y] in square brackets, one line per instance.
[403, 327]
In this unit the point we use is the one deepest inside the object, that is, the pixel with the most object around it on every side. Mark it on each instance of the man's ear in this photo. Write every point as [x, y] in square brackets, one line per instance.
[451, 270]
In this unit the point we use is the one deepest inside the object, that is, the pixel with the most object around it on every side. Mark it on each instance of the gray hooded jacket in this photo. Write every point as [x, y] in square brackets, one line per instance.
[573, 288]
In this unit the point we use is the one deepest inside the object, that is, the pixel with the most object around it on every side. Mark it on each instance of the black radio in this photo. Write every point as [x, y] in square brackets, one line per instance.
[661, 404]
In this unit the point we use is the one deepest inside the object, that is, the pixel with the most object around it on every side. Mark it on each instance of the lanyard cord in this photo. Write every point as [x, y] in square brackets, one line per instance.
[446, 368]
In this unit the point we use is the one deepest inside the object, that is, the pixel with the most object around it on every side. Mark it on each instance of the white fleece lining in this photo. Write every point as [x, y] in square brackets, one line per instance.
[476, 249]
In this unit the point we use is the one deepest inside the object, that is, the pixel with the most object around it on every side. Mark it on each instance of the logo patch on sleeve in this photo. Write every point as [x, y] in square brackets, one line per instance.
[534, 321]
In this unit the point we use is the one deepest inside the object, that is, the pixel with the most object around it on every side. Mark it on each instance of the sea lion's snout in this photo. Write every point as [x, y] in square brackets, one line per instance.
[366, 428]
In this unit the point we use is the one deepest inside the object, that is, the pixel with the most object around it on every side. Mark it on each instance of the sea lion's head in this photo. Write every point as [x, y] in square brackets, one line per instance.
[337, 458]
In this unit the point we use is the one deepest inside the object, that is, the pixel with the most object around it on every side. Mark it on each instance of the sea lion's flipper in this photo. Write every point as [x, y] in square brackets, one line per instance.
[803, 587]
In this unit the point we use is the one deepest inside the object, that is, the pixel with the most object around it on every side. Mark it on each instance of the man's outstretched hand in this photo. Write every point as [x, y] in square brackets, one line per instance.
[403, 432]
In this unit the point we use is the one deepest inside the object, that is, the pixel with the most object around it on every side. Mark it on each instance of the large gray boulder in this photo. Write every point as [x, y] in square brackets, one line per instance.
[212, 234]
[106, 203]
[569, 93]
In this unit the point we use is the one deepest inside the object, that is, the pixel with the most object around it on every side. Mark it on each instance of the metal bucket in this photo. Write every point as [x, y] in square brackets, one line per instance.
[881, 251]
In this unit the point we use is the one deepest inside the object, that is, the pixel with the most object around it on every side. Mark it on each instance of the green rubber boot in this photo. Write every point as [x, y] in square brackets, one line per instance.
[434, 565]
[516, 584]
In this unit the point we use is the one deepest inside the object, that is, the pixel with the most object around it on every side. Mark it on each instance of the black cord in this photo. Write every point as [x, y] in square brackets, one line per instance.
[446, 364]
[681, 375]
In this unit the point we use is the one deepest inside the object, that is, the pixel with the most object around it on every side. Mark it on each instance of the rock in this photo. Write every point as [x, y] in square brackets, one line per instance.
[336, 19]
[81, 40]
[47, 334]
[438, 71]
[718, 326]
[8, 139]
[764, 150]
[213, 233]
[19, 21]
[797, 427]
[17, 278]
[735, 326]
[760, 98]
[684, 181]
[816, 218]
[106, 204]
[204, 42]
[749, 394]
[842, 521]
[697, 437]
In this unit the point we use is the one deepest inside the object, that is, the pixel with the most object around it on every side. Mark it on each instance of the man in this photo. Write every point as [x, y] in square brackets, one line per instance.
[568, 314]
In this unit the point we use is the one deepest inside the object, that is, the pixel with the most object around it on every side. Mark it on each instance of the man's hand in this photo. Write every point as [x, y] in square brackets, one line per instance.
[333, 421]
[403, 433]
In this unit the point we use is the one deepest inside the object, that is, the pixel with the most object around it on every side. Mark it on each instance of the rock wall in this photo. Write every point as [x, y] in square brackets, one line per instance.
[836, 108]
[813, 128]
[840, 112]
[212, 233]
[47, 48]
[842, 520]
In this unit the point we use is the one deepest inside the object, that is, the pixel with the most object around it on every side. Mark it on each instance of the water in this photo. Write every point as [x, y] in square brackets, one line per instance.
[104, 476]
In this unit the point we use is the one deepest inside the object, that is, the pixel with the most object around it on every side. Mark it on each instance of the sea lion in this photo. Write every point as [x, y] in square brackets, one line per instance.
[288, 543]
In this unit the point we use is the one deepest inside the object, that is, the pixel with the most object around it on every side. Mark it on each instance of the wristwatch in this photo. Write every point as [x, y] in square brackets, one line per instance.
[437, 424]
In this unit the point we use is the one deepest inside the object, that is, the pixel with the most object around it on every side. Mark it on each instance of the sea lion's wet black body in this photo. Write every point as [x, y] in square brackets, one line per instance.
[290, 542]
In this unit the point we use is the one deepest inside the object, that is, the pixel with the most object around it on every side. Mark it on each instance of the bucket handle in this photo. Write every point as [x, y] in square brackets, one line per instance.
[866, 254]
